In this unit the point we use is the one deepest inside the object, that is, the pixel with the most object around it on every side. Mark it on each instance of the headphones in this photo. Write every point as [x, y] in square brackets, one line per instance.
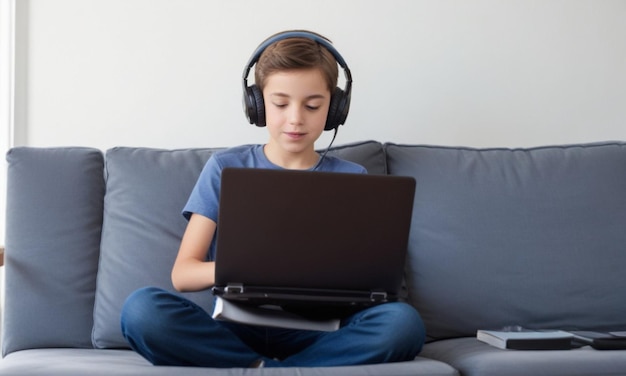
[254, 106]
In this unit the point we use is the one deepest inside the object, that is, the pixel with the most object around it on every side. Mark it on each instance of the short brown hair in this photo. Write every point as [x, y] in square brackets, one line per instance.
[296, 53]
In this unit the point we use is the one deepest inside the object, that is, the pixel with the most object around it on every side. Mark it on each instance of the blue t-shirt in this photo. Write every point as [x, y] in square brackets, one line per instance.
[204, 198]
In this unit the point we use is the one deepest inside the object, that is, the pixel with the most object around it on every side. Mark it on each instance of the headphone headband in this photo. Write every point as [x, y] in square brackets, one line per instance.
[340, 99]
[295, 34]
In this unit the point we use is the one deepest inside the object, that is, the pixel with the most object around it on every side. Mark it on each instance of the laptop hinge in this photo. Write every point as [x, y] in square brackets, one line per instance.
[234, 288]
[378, 296]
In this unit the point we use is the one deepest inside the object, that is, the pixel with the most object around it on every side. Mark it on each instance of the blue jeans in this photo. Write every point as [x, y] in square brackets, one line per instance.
[168, 329]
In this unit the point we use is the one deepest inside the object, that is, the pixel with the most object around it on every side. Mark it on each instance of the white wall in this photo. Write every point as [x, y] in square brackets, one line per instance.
[167, 73]
[7, 38]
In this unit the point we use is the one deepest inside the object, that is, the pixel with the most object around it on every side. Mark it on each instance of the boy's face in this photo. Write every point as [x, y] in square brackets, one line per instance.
[296, 107]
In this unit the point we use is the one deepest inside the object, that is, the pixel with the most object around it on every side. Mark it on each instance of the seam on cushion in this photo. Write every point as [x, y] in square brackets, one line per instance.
[563, 146]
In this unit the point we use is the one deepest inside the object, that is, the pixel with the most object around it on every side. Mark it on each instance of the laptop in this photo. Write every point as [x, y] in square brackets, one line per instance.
[305, 237]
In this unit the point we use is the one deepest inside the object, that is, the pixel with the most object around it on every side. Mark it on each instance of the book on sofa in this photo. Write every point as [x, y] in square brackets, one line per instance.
[601, 340]
[524, 339]
[272, 316]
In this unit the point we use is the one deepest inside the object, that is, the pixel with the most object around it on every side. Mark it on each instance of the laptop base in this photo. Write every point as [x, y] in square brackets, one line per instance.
[258, 295]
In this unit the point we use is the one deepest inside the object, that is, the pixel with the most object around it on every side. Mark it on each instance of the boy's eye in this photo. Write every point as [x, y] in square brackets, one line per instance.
[310, 107]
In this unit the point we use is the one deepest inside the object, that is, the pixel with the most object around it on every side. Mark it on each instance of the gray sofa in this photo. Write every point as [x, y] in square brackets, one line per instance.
[533, 237]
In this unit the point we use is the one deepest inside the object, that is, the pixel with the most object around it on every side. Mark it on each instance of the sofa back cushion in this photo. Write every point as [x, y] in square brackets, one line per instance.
[369, 154]
[54, 220]
[532, 237]
[146, 190]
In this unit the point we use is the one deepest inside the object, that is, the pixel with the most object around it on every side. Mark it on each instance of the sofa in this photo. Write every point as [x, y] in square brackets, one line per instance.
[533, 237]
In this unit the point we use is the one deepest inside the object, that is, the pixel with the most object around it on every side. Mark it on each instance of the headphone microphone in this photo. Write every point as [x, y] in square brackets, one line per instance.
[254, 105]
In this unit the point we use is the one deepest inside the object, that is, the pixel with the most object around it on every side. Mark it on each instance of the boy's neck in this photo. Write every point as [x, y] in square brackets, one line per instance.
[293, 161]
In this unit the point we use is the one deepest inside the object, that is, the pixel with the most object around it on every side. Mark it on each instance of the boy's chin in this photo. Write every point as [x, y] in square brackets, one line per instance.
[290, 146]
[297, 148]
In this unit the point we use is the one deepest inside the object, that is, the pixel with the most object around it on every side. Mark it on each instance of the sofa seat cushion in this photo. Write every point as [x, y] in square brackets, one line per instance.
[81, 362]
[532, 237]
[472, 358]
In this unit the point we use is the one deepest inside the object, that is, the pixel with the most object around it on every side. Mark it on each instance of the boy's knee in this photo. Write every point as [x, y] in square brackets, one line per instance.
[409, 315]
[396, 329]
[141, 300]
[138, 306]
[404, 326]
[404, 311]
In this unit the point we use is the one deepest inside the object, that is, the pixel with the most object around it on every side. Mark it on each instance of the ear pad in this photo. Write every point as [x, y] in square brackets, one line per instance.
[338, 109]
[254, 105]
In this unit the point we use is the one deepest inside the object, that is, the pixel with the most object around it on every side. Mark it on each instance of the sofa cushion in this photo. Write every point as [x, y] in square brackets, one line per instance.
[532, 237]
[369, 154]
[81, 362]
[146, 190]
[474, 358]
[54, 220]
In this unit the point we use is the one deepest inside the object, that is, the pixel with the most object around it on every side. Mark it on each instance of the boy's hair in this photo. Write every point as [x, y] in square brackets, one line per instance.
[296, 53]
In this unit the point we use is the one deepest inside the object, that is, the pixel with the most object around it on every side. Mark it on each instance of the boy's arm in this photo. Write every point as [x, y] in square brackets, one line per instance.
[191, 272]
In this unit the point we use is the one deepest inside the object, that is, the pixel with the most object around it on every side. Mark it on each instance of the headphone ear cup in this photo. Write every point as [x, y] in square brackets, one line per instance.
[338, 110]
[254, 106]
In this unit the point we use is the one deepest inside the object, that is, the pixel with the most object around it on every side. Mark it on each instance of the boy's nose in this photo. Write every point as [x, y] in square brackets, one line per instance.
[296, 115]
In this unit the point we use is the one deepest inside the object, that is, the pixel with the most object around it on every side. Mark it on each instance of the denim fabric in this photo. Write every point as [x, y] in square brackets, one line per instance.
[168, 329]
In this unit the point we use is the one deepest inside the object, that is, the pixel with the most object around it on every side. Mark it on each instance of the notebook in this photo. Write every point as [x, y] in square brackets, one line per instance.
[288, 236]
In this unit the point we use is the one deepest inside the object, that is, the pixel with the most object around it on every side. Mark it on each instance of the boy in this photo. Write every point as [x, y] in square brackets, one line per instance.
[296, 98]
